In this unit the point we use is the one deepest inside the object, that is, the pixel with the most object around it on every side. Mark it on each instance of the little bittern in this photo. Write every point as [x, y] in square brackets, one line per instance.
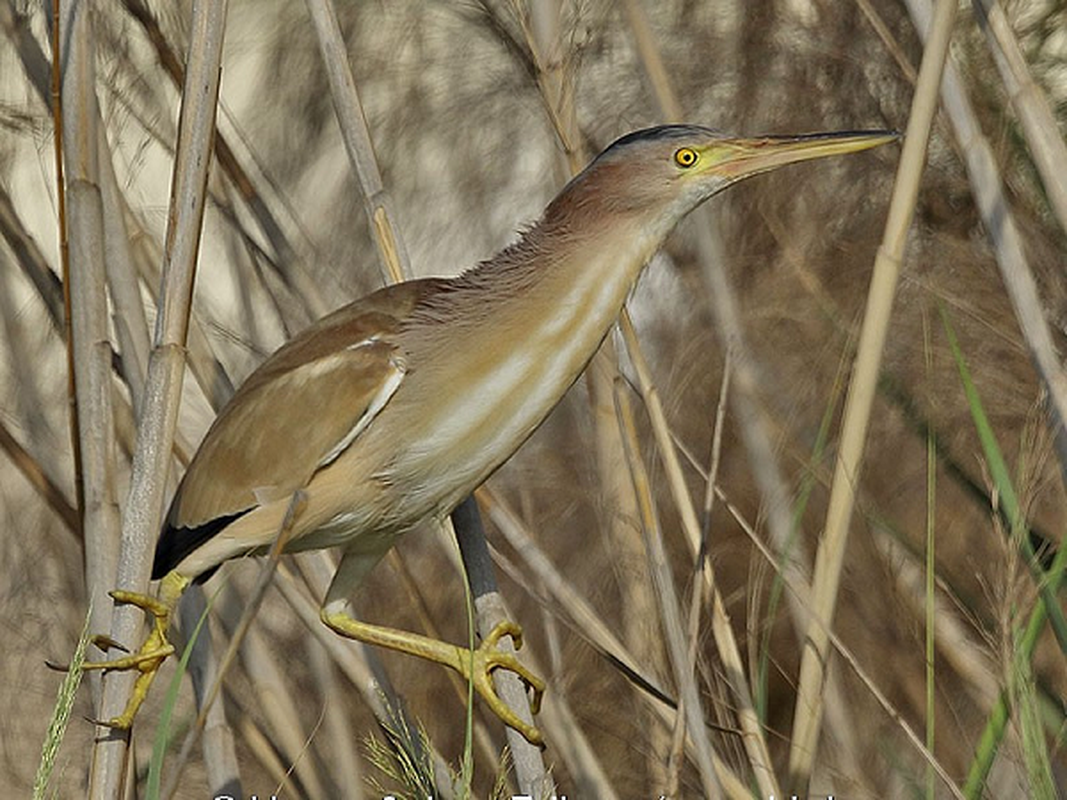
[394, 408]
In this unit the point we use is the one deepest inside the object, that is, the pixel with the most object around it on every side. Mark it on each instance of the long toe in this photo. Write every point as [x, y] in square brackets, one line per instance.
[145, 660]
[487, 659]
[148, 604]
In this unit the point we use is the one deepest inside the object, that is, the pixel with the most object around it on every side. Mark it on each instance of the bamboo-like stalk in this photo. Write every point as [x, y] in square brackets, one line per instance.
[89, 346]
[92, 360]
[530, 772]
[807, 718]
[1038, 124]
[144, 507]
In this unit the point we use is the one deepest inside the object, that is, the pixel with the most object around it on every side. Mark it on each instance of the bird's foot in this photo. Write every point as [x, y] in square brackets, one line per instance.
[478, 665]
[475, 665]
[151, 655]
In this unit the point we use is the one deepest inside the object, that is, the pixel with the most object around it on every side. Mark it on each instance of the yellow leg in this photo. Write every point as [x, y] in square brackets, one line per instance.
[155, 649]
[477, 665]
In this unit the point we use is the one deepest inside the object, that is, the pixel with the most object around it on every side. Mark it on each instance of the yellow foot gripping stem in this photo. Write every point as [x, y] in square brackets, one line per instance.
[152, 653]
[476, 666]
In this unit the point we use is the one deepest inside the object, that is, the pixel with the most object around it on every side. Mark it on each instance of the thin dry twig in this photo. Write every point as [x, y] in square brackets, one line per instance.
[807, 718]
[1038, 124]
[297, 503]
[663, 582]
[850, 658]
[69, 74]
[50, 492]
[269, 686]
[696, 596]
[754, 740]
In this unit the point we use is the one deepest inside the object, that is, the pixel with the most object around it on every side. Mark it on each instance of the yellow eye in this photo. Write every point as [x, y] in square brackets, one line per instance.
[685, 157]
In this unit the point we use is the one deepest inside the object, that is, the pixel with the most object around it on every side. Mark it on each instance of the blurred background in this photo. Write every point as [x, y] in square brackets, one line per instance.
[477, 110]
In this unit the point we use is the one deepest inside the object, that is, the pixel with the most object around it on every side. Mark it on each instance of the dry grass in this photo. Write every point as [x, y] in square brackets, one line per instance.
[478, 112]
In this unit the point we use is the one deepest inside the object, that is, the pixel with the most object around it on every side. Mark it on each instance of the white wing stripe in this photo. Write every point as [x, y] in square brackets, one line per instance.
[377, 403]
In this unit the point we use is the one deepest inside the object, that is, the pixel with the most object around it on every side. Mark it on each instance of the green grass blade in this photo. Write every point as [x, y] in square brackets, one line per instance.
[163, 731]
[1048, 583]
[998, 470]
[931, 566]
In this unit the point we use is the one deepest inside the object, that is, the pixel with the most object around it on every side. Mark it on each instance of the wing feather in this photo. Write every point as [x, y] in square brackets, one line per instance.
[296, 413]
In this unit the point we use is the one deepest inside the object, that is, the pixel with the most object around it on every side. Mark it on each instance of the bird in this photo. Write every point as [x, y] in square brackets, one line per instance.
[391, 410]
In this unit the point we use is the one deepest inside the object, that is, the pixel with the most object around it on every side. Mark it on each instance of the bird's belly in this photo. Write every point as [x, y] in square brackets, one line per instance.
[521, 375]
[348, 529]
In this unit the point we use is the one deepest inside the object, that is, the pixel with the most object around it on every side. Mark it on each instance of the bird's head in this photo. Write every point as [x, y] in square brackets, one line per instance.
[656, 176]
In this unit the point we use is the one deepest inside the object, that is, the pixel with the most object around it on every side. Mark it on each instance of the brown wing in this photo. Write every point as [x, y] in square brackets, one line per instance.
[296, 413]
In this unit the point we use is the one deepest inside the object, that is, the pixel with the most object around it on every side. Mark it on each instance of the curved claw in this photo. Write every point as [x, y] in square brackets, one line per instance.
[501, 629]
[476, 666]
[155, 650]
[487, 659]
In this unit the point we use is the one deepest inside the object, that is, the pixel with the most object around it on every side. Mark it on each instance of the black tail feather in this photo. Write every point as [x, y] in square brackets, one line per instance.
[176, 543]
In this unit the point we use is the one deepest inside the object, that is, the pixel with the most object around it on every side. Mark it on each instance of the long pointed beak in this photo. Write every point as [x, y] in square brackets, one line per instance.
[740, 158]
